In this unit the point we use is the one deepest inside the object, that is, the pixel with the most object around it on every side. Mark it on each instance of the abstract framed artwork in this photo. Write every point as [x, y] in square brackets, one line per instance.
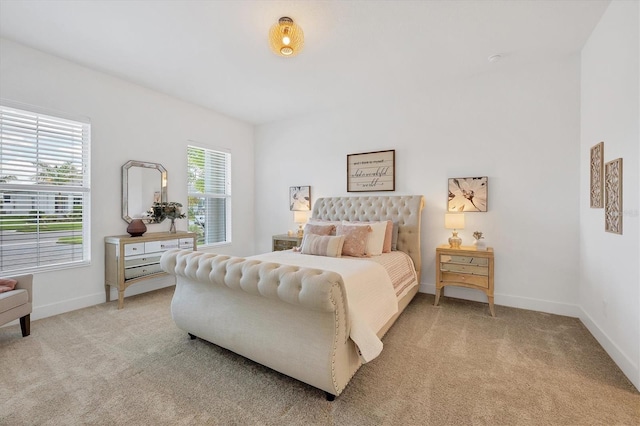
[613, 196]
[371, 171]
[596, 175]
[468, 194]
[299, 198]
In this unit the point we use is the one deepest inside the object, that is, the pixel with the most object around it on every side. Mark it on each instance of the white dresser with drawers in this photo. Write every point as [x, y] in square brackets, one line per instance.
[129, 260]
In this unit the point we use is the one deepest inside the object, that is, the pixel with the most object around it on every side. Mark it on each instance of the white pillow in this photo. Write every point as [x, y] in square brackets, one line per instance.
[322, 245]
[375, 242]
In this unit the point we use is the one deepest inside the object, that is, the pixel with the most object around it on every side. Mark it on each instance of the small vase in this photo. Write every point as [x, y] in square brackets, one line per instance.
[480, 245]
[136, 228]
[172, 228]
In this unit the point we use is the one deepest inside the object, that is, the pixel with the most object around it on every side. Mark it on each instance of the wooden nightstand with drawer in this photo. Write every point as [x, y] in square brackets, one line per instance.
[285, 242]
[465, 267]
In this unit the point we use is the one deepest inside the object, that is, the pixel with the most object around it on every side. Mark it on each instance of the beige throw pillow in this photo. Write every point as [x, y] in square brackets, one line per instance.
[323, 245]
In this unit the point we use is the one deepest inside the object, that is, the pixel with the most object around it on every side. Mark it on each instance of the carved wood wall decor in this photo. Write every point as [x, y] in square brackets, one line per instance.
[597, 171]
[613, 196]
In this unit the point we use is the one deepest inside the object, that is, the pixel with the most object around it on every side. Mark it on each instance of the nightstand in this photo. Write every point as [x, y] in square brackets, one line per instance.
[285, 242]
[465, 267]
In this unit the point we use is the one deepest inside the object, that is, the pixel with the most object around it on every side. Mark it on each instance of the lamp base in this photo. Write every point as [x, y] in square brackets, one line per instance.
[300, 231]
[455, 241]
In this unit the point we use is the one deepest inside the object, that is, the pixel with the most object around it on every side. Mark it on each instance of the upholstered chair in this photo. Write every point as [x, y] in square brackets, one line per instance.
[17, 303]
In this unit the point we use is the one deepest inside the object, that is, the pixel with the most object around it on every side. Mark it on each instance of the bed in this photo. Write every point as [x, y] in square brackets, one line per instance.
[314, 318]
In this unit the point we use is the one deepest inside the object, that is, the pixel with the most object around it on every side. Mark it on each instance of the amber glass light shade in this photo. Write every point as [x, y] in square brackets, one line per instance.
[286, 38]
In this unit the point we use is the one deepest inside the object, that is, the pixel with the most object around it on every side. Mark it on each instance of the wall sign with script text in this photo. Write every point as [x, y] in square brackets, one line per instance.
[371, 171]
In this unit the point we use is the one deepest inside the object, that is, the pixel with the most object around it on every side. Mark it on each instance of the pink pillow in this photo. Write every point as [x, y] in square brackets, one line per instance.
[388, 238]
[7, 284]
[355, 239]
[316, 229]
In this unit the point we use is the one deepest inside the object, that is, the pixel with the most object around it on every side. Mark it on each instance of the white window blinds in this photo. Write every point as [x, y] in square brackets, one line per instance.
[44, 190]
[209, 188]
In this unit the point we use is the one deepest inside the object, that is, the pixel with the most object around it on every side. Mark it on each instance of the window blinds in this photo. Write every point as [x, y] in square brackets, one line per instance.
[209, 187]
[44, 190]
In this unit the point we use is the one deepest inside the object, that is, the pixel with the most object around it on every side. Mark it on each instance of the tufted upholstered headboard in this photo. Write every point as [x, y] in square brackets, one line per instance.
[405, 210]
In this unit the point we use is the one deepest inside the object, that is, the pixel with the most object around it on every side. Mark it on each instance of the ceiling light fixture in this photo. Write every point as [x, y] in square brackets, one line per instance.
[286, 37]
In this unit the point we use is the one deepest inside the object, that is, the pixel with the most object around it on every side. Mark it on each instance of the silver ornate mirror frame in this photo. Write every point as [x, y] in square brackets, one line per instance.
[158, 187]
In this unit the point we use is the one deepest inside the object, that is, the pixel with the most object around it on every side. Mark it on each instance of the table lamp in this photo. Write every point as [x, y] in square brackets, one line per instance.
[300, 217]
[454, 221]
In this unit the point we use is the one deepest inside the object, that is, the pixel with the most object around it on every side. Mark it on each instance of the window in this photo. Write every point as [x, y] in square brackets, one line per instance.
[44, 183]
[209, 180]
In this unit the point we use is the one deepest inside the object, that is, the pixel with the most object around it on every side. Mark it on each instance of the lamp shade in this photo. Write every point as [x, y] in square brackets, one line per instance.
[286, 37]
[299, 216]
[454, 220]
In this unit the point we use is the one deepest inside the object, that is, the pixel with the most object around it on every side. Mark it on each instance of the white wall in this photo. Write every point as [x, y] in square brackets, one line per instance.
[609, 277]
[129, 122]
[518, 126]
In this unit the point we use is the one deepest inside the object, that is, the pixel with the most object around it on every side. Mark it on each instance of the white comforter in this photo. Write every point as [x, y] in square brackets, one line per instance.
[370, 294]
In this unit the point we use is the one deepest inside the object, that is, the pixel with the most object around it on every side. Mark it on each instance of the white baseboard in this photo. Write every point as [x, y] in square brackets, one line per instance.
[68, 305]
[565, 309]
[626, 364]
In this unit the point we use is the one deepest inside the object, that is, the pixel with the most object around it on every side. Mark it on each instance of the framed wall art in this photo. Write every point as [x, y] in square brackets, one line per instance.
[371, 171]
[596, 175]
[299, 198]
[468, 194]
[613, 196]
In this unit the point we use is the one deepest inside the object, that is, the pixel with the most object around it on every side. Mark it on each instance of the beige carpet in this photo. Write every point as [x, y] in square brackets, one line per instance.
[447, 365]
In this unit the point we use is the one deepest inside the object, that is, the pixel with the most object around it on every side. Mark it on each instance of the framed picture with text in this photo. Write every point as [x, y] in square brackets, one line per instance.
[371, 171]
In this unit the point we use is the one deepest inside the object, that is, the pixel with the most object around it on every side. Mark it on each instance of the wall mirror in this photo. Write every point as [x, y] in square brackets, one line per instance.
[142, 184]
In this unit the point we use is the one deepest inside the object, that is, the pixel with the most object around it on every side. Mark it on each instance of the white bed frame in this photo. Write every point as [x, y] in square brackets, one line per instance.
[292, 320]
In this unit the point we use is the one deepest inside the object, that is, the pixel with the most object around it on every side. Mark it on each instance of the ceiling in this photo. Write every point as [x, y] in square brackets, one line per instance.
[215, 53]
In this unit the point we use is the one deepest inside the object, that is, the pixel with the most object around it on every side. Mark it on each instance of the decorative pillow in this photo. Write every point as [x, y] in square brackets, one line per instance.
[355, 239]
[394, 237]
[7, 284]
[388, 238]
[323, 222]
[323, 245]
[312, 228]
[376, 238]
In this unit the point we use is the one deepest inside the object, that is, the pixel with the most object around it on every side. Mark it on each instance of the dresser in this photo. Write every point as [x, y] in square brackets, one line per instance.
[285, 242]
[465, 267]
[129, 260]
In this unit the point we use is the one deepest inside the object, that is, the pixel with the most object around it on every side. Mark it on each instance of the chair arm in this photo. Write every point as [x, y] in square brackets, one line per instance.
[25, 282]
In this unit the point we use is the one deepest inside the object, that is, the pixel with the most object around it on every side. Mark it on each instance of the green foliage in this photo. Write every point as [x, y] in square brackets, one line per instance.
[57, 174]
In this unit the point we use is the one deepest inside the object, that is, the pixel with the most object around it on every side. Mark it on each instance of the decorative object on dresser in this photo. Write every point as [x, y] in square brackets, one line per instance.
[169, 210]
[136, 228]
[129, 260]
[596, 175]
[285, 242]
[465, 267]
[477, 241]
[468, 194]
[371, 171]
[613, 196]
[314, 317]
[454, 221]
